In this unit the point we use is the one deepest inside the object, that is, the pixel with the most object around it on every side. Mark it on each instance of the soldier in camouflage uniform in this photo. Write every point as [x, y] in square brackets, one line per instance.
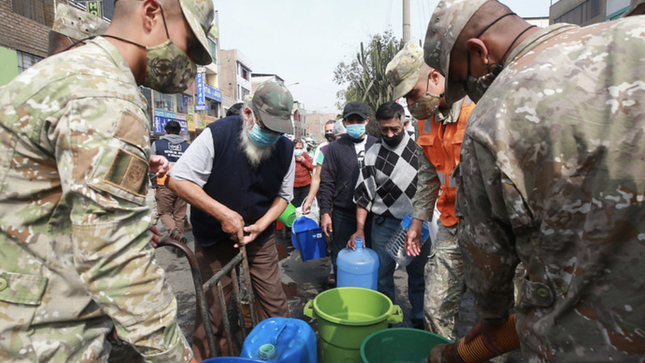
[552, 175]
[75, 262]
[72, 25]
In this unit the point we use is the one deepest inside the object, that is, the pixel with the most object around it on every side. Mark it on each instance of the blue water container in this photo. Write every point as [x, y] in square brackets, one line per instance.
[357, 268]
[281, 340]
[308, 238]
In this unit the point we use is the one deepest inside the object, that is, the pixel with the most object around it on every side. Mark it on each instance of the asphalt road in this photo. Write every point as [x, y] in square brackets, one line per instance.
[302, 281]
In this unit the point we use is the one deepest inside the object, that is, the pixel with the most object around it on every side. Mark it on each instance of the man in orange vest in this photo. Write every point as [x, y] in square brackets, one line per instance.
[440, 129]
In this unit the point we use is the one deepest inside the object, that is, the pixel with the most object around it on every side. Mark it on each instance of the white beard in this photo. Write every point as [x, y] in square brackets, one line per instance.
[254, 154]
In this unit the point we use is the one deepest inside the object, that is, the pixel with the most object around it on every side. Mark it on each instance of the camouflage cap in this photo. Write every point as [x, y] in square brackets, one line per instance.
[403, 70]
[274, 102]
[199, 14]
[77, 24]
[637, 7]
[448, 20]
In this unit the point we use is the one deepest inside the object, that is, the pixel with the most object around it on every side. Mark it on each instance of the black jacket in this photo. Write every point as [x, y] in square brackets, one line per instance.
[339, 175]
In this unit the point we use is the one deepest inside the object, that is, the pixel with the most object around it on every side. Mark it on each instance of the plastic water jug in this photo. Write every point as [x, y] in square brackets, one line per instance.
[396, 245]
[281, 340]
[357, 268]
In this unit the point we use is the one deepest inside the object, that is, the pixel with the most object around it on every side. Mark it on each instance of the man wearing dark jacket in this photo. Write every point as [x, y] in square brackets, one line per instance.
[171, 208]
[343, 160]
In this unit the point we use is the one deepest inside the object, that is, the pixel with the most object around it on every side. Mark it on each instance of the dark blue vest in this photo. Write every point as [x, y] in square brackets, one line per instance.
[234, 183]
[172, 152]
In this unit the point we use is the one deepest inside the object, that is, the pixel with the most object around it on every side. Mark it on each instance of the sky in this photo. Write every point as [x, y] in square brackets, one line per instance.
[303, 41]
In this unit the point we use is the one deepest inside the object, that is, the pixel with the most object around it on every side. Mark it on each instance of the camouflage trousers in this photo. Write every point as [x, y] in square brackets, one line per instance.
[445, 284]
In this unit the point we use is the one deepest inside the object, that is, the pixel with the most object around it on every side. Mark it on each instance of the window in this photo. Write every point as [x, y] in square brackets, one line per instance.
[581, 13]
[164, 102]
[26, 60]
[41, 11]
[212, 47]
[213, 108]
[245, 74]
[244, 93]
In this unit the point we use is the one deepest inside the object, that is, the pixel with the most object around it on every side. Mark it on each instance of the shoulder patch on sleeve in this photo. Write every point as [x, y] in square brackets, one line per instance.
[128, 172]
[131, 129]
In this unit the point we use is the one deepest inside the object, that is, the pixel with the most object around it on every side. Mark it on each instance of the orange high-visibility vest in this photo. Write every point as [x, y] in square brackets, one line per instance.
[441, 147]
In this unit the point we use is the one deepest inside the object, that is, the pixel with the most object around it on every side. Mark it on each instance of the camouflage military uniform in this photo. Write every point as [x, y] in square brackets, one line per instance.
[74, 254]
[553, 175]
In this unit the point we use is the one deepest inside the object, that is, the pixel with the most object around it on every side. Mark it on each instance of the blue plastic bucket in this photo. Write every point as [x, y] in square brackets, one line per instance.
[308, 238]
[288, 340]
[230, 360]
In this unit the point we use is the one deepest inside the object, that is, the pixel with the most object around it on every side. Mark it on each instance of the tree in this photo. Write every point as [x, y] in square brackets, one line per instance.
[365, 75]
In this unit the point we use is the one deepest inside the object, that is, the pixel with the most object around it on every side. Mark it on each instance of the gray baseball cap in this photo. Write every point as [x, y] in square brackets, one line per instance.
[403, 70]
[637, 7]
[446, 24]
[274, 102]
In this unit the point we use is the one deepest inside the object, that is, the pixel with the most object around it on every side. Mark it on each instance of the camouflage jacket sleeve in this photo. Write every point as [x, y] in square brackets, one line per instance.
[102, 159]
[485, 236]
[428, 185]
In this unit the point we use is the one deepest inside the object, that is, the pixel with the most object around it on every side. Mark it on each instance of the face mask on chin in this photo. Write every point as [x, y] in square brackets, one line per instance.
[395, 140]
[168, 68]
[425, 106]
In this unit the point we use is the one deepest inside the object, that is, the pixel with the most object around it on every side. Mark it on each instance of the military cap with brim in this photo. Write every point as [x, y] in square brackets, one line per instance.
[199, 15]
[274, 102]
[446, 24]
[403, 70]
[77, 24]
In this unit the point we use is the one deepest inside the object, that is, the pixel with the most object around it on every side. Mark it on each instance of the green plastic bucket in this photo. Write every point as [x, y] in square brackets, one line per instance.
[288, 216]
[399, 345]
[346, 316]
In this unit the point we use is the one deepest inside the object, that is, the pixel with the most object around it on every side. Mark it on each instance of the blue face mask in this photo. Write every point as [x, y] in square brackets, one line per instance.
[298, 152]
[261, 138]
[356, 131]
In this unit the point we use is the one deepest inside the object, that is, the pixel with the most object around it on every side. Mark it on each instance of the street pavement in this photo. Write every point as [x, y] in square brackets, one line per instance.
[302, 281]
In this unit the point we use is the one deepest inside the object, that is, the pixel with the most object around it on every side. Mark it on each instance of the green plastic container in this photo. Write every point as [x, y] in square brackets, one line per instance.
[288, 216]
[346, 316]
[399, 345]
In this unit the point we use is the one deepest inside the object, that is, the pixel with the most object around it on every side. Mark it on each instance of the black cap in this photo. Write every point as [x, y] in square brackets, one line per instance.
[355, 108]
[173, 127]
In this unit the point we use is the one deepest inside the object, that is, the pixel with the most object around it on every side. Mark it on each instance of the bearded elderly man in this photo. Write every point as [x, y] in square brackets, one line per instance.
[238, 176]
[553, 175]
[75, 258]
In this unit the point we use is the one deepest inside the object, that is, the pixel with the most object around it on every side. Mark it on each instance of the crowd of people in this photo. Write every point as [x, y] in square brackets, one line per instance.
[527, 141]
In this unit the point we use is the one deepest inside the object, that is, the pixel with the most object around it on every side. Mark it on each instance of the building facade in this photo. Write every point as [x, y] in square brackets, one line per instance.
[235, 77]
[580, 12]
[316, 125]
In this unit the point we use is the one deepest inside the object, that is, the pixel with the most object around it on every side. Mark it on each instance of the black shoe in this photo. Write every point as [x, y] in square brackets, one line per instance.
[417, 324]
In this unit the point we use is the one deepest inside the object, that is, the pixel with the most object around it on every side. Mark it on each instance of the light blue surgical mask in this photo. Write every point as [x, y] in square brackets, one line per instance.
[298, 152]
[356, 131]
[261, 138]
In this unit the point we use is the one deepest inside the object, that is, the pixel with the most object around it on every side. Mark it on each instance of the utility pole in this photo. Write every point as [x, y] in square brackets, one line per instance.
[406, 21]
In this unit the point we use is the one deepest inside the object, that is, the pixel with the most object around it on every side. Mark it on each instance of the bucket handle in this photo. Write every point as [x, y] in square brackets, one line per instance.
[396, 315]
[308, 309]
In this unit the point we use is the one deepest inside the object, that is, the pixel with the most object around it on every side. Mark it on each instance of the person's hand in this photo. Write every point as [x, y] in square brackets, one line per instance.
[306, 206]
[233, 224]
[413, 237]
[158, 165]
[250, 234]
[326, 224]
[487, 332]
[156, 236]
[358, 234]
[444, 353]
[300, 159]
